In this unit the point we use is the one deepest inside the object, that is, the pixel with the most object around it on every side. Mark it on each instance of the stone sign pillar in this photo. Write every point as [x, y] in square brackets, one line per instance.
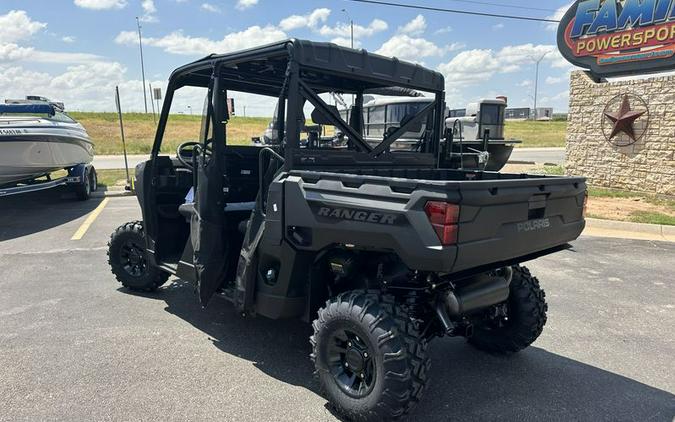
[621, 135]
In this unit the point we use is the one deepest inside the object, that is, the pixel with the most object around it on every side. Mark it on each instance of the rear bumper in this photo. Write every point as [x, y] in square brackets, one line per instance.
[517, 242]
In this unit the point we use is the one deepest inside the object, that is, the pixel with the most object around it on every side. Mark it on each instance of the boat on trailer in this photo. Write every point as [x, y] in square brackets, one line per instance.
[38, 138]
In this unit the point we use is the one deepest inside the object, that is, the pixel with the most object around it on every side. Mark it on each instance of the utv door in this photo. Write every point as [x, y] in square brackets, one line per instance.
[207, 224]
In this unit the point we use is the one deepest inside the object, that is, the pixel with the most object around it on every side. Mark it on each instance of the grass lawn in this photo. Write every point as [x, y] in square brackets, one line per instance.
[109, 178]
[653, 218]
[537, 134]
[139, 131]
[610, 204]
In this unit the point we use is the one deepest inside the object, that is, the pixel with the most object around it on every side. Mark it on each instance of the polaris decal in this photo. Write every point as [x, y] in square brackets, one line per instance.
[617, 37]
[359, 215]
[534, 225]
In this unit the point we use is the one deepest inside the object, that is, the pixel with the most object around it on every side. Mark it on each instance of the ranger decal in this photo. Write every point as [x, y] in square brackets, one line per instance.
[357, 215]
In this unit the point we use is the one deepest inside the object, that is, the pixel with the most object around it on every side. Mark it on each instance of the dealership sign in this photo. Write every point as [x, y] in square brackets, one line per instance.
[619, 37]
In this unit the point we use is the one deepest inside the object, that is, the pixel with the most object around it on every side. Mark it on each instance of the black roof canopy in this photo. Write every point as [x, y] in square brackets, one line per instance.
[324, 66]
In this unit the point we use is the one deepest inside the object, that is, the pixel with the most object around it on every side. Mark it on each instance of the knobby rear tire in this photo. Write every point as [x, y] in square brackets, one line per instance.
[527, 309]
[400, 355]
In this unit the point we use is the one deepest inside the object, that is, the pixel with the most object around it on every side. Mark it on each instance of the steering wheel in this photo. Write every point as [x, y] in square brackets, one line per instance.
[193, 147]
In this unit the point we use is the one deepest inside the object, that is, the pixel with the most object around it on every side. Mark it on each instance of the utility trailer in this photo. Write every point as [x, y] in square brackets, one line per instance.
[382, 251]
[81, 180]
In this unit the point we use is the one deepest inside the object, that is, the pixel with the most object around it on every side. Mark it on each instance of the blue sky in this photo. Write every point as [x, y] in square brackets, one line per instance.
[76, 51]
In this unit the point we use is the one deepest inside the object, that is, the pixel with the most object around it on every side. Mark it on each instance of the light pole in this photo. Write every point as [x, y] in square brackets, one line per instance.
[351, 26]
[536, 82]
[140, 45]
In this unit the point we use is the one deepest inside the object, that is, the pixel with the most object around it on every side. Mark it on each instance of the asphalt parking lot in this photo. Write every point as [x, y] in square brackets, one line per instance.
[75, 346]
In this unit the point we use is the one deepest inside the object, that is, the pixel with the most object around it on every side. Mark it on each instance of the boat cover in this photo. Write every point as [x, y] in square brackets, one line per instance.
[27, 109]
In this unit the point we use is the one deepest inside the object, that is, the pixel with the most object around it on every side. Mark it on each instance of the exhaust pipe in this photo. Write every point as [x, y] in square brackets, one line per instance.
[485, 291]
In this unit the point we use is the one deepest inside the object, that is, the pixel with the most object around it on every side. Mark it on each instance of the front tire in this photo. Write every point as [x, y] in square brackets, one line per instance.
[128, 259]
[369, 356]
[527, 309]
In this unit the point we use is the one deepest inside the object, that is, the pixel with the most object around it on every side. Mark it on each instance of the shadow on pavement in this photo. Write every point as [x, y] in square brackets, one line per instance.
[34, 212]
[465, 384]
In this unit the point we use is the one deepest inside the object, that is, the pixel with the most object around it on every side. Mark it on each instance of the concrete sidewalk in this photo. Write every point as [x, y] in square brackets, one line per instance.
[627, 230]
[538, 156]
[111, 162]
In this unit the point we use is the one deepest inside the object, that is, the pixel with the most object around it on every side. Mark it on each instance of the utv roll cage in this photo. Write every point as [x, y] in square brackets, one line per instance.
[297, 71]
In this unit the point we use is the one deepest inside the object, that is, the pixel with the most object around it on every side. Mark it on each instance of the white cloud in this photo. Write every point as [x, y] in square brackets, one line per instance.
[91, 87]
[344, 29]
[245, 4]
[346, 42]
[126, 37]
[470, 66]
[474, 66]
[414, 49]
[310, 20]
[64, 58]
[84, 87]
[553, 81]
[208, 7]
[498, 27]
[149, 6]
[547, 101]
[16, 25]
[101, 4]
[179, 43]
[417, 26]
[68, 39]
[455, 46]
[558, 15]
[12, 52]
[149, 11]
[446, 30]
[524, 84]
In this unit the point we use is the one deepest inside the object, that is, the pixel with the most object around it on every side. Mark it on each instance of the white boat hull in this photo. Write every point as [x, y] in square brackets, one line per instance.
[26, 153]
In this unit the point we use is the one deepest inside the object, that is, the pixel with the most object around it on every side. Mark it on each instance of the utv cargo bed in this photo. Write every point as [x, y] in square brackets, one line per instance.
[502, 217]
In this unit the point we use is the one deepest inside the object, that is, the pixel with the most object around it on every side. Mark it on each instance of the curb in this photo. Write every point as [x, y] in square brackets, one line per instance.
[532, 163]
[111, 194]
[625, 229]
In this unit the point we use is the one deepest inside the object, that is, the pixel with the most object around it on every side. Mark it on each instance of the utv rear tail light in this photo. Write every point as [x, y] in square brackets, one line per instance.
[442, 212]
[443, 217]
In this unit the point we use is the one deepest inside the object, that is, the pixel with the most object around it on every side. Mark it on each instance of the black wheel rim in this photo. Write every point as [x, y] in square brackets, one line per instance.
[351, 363]
[132, 258]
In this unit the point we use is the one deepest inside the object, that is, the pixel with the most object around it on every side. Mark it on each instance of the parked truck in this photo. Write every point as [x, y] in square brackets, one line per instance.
[380, 250]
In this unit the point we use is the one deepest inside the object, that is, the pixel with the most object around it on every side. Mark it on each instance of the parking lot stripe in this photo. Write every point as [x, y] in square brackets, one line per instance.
[90, 220]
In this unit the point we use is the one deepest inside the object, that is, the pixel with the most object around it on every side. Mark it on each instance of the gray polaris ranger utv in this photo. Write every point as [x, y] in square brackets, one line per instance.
[381, 250]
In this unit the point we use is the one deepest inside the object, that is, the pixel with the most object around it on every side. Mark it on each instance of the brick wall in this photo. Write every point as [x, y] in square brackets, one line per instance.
[646, 166]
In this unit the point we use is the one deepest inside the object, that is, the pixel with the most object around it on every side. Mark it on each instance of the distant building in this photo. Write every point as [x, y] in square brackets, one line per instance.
[544, 113]
[518, 113]
[525, 113]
